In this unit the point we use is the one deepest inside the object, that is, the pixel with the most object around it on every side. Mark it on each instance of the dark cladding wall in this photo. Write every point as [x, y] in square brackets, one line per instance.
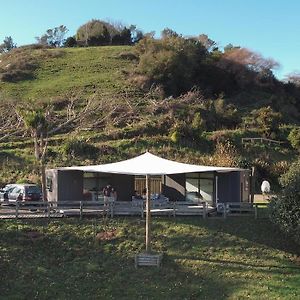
[124, 185]
[174, 187]
[67, 185]
[70, 185]
[229, 187]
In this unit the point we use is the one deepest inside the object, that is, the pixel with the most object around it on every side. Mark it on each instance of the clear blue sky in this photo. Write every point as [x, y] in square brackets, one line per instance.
[271, 27]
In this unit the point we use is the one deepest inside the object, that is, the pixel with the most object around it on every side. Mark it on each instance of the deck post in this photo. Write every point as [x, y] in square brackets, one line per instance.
[142, 209]
[48, 209]
[216, 189]
[255, 211]
[148, 215]
[80, 209]
[111, 208]
[17, 209]
[252, 184]
[174, 209]
[204, 210]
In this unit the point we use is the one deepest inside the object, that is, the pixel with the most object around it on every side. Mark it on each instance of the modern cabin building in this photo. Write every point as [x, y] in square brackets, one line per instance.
[176, 181]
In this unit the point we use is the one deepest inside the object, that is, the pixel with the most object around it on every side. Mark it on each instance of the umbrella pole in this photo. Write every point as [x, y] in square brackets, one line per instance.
[148, 215]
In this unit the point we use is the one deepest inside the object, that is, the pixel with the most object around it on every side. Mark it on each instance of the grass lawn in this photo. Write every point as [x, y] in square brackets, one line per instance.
[236, 258]
[78, 70]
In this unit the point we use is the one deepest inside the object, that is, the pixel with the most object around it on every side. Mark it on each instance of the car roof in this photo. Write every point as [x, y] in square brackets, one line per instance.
[27, 184]
[21, 185]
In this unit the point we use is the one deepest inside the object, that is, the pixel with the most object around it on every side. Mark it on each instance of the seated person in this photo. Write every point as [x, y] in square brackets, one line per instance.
[137, 196]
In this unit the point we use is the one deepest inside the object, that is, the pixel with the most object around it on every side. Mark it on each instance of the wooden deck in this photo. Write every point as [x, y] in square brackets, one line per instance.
[82, 209]
[98, 209]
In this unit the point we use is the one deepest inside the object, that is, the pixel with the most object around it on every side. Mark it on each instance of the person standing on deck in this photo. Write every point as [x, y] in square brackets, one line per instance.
[107, 194]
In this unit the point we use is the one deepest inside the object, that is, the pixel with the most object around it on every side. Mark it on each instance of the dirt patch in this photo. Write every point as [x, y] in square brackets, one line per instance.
[296, 260]
[33, 235]
[106, 235]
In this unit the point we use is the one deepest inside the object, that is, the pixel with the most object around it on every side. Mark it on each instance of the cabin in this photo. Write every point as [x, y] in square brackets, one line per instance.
[176, 181]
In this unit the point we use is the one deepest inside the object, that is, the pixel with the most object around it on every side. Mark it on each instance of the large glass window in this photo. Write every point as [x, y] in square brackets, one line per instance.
[200, 187]
[93, 184]
[207, 189]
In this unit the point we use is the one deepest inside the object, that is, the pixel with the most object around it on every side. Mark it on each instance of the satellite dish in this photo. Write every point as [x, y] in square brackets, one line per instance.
[265, 187]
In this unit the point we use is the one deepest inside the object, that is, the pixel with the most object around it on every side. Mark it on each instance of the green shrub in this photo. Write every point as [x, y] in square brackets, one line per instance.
[128, 55]
[266, 119]
[175, 136]
[285, 209]
[294, 138]
[79, 148]
[70, 42]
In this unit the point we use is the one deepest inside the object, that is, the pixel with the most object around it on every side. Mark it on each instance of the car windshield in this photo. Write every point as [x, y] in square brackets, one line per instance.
[33, 190]
[8, 188]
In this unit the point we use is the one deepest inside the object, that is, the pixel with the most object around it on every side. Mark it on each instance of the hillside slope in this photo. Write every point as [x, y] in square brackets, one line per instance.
[126, 120]
[81, 70]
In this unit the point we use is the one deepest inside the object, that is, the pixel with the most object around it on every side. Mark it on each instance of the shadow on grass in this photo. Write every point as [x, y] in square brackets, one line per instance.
[257, 231]
[63, 261]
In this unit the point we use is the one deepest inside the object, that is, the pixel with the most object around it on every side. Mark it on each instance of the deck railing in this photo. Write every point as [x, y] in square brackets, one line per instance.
[34, 209]
[243, 209]
[53, 209]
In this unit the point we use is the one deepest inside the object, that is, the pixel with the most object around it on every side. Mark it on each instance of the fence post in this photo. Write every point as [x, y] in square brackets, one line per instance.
[224, 211]
[174, 209]
[48, 209]
[255, 211]
[80, 209]
[111, 207]
[204, 210]
[17, 209]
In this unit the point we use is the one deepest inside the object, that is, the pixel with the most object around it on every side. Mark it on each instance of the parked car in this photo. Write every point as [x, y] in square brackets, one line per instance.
[5, 191]
[24, 193]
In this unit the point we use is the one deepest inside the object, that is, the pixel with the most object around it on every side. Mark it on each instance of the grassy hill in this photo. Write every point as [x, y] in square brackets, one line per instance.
[79, 70]
[125, 119]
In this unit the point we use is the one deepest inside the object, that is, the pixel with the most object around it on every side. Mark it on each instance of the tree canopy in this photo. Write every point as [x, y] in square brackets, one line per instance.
[98, 32]
[54, 37]
[7, 45]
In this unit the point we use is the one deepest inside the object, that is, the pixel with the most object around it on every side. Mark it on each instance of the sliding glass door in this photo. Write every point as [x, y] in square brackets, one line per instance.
[200, 187]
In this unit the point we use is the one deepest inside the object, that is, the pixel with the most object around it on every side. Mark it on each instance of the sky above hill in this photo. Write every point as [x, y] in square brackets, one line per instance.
[270, 27]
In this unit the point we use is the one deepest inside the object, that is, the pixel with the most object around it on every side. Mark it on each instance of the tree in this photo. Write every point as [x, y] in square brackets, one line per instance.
[54, 37]
[70, 42]
[293, 78]
[208, 43]
[267, 120]
[95, 32]
[35, 120]
[123, 38]
[172, 62]
[136, 34]
[169, 33]
[285, 208]
[101, 39]
[7, 45]
[294, 138]
[247, 66]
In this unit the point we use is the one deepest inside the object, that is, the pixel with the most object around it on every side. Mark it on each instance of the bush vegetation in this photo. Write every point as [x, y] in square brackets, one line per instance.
[100, 33]
[294, 138]
[286, 206]
[76, 148]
